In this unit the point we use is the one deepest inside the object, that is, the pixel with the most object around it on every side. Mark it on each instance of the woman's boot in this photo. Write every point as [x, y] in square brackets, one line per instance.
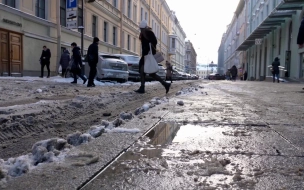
[141, 90]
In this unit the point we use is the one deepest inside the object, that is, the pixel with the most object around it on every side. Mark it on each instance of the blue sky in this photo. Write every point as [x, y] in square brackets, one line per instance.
[204, 23]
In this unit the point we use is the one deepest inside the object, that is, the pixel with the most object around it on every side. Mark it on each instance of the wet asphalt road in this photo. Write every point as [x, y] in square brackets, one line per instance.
[228, 135]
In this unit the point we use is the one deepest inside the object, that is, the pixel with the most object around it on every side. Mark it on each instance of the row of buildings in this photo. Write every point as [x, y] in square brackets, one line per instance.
[261, 30]
[26, 26]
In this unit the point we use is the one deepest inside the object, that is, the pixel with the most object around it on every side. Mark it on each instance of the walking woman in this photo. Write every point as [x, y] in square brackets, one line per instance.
[76, 64]
[147, 36]
[276, 69]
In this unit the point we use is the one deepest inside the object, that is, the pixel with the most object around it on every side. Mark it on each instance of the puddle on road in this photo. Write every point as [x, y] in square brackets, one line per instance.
[176, 156]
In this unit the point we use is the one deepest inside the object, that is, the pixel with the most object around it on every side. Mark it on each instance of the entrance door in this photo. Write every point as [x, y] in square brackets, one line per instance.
[15, 54]
[4, 53]
[265, 63]
[10, 54]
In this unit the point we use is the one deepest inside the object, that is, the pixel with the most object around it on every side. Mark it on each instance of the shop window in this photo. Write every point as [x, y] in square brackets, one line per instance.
[40, 8]
[11, 3]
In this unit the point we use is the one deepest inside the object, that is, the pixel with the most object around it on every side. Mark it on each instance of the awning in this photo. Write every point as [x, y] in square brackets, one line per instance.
[284, 10]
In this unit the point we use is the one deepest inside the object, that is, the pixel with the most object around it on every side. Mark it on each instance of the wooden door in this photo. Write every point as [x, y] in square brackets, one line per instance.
[15, 47]
[4, 53]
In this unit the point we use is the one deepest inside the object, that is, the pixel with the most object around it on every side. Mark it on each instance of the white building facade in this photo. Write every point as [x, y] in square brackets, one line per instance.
[271, 29]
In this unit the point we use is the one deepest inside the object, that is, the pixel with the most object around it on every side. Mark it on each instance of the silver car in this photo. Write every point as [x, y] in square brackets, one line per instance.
[112, 67]
[133, 65]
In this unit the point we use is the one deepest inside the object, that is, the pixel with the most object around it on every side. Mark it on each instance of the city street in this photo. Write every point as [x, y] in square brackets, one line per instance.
[203, 135]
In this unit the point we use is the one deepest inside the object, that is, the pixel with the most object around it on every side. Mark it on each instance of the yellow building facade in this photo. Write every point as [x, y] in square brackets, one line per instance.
[27, 25]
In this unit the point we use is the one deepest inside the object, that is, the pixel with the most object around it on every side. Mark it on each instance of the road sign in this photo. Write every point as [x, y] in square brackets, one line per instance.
[258, 41]
[71, 24]
[71, 4]
[71, 14]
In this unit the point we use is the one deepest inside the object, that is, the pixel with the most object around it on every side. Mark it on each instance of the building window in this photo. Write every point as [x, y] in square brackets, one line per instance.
[105, 31]
[146, 16]
[11, 3]
[141, 14]
[135, 13]
[280, 41]
[79, 19]
[115, 3]
[153, 26]
[129, 9]
[173, 42]
[114, 35]
[94, 26]
[134, 48]
[40, 8]
[63, 12]
[128, 43]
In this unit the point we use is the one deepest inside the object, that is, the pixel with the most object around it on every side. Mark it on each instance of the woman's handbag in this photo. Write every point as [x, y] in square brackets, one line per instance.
[150, 65]
[159, 57]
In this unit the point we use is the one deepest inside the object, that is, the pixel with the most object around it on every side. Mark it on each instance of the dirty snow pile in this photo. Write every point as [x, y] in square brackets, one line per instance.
[188, 90]
[154, 102]
[55, 149]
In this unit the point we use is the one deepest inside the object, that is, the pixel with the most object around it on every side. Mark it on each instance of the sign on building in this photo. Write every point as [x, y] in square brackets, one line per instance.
[71, 4]
[258, 41]
[71, 14]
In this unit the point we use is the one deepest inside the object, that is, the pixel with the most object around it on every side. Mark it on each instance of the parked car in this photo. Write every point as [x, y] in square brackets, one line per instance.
[215, 76]
[133, 65]
[161, 72]
[110, 67]
[176, 75]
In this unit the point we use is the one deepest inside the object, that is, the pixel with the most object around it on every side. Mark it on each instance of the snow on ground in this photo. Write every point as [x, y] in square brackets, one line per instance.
[59, 79]
[55, 149]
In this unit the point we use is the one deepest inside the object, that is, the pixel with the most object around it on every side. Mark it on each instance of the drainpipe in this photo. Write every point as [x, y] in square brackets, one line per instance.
[121, 25]
[58, 35]
[149, 22]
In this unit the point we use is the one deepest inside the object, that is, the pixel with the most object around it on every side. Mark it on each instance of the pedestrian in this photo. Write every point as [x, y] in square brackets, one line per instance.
[233, 72]
[147, 36]
[228, 74]
[275, 69]
[245, 75]
[300, 39]
[45, 61]
[92, 61]
[64, 62]
[76, 64]
[169, 72]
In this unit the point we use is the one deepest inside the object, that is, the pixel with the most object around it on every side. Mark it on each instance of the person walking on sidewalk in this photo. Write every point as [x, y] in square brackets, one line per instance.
[300, 39]
[45, 61]
[245, 75]
[169, 70]
[92, 61]
[276, 69]
[76, 64]
[234, 72]
[64, 62]
[147, 36]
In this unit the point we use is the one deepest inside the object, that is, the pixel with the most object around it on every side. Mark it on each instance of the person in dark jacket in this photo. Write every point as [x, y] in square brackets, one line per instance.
[245, 75]
[45, 61]
[300, 39]
[233, 72]
[169, 72]
[76, 64]
[147, 36]
[276, 69]
[64, 62]
[92, 61]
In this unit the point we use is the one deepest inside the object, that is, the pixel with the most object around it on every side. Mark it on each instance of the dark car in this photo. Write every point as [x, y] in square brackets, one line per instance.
[216, 77]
